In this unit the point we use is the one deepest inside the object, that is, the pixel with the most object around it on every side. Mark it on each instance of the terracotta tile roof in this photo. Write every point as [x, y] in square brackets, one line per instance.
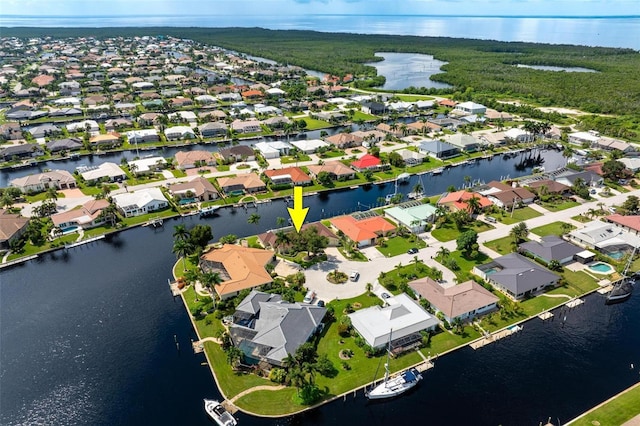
[109, 137]
[11, 224]
[190, 157]
[458, 200]
[632, 222]
[334, 167]
[456, 300]
[249, 180]
[87, 214]
[244, 266]
[365, 229]
[366, 161]
[42, 80]
[252, 94]
[296, 173]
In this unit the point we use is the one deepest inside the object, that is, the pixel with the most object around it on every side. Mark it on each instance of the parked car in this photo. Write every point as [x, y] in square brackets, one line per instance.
[321, 303]
[308, 298]
[354, 276]
[385, 295]
[412, 250]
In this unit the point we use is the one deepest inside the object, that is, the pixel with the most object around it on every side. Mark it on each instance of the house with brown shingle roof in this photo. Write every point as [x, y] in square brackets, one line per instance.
[199, 188]
[466, 300]
[239, 267]
[345, 140]
[249, 182]
[190, 159]
[336, 170]
[288, 175]
[551, 187]
[363, 231]
[109, 139]
[88, 216]
[12, 226]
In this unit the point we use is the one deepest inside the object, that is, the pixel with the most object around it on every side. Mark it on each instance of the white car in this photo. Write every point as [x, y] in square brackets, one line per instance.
[354, 276]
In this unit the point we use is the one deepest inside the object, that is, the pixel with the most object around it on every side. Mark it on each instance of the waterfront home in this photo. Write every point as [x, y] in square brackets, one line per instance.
[105, 171]
[551, 247]
[179, 132]
[288, 175]
[465, 143]
[505, 196]
[149, 118]
[106, 141]
[459, 200]
[569, 177]
[464, 301]
[492, 115]
[411, 158]
[273, 122]
[12, 226]
[143, 135]
[448, 103]
[336, 170]
[584, 138]
[183, 116]
[140, 202]
[91, 126]
[344, 140]
[516, 276]
[609, 144]
[191, 159]
[468, 108]
[147, 165]
[402, 320]
[199, 188]
[273, 149]
[239, 267]
[269, 329]
[548, 186]
[393, 130]
[423, 127]
[369, 137]
[88, 216]
[413, 215]
[518, 135]
[309, 146]
[268, 239]
[363, 231]
[608, 238]
[44, 130]
[237, 153]
[11, 131]
[68, 144]
[248, 126]
[630, 223]
[19, 151]
[373, 108]
[58, 179]
[367, 162]
[439, 149]
[236, 185]
[213, 129]
[117, 123]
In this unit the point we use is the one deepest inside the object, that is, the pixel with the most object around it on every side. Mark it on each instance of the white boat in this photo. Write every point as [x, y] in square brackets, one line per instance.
[623, 288]
[207, 211]
[218, 413]
[395, 385]
[403, 177]
[437, 171]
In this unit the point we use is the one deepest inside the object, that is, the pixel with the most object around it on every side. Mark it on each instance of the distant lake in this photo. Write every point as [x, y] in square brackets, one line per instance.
[551, 68]
[403, 70]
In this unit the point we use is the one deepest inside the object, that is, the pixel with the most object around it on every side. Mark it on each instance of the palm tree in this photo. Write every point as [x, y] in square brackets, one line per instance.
[52, 193]
[282, 240]
[416, 260]
[567, 153]
[443, 252]
[180, 232]
[280, 221]
[254, 219]
[182, 249]
[474, 204]
[133, 168]
[417, 188]
[210, 279]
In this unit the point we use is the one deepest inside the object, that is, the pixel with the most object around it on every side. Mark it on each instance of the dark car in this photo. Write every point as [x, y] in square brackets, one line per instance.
[321, 303]
[385, 295]
[412, 250]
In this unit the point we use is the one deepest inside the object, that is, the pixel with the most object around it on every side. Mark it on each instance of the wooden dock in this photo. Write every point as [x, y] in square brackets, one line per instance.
[198, 346]
[496, 336]
[231, 409]
[175, 291]
[87, 241]
[545, 316]
[605, 289]
[574, 303]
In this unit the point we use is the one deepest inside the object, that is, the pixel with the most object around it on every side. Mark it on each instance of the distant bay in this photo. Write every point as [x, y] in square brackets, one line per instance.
[621, 31]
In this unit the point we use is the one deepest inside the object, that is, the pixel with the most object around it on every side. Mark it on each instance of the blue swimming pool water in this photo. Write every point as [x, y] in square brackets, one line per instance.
[69, 229]
[602, 268]
[617, 255]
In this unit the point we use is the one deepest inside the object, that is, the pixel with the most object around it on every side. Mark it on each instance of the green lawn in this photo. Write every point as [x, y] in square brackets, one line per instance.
[581, 218]
[136, 220]
[41, 196]
[557, 206]
[393, 280]
[179, 173]
[501, 245]
[518, 215]
[263, 402]
[448, 231]
[615, 412]
[29, 249]
[465, 264]
[288, 159]
[399, 245]
[555, 228]
[314, 124]
[334, 153]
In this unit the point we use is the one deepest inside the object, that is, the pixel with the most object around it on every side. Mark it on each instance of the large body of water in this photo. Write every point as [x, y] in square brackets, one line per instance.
[88, 337]
[588, 31]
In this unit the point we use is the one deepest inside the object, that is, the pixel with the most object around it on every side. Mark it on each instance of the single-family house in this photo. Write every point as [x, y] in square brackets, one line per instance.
[309, 146]
[587, 138]
[548, 186]
[607, 237]
[237, 153]
[336, 170]
[364, 231]
[246, 126]
[401, 321]
[367, 162]
[288, 175]
[459, 200]
[274, 122]
[630, 223]
[88, 216]
[413, 215]
[198, 187]
[273, 149]
[508, 197]
[44, 130]
[344, 140]
[551, 247]
[213, 129]
[249, 183]
[423, 127]
[11, 131]
[106, 140]
[268, 329]
[516, 276]
[58, 179]
[191, 159]
[411, 158]
[20, 151]
[373, 108]
[179, 132]
[239, 267]
[464, 301]
[466, 143]
[268, 239]
[105, 171]
[467, 108]
[12, 226]
[439, 149]
[143, 135]
[569, 177]
[67, 144]
[140, 202]
[147, 165]
[518, 135]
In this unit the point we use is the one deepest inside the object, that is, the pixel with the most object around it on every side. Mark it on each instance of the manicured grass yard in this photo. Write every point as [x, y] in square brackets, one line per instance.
[555, 228]
[563, 205]
[448, 230]
[615, 412]
[400, 245]
[502, 245]
[465, 264]
[313, 124]
[519, 215]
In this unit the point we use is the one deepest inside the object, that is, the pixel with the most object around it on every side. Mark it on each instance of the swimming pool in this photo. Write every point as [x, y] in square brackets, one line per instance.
[601, 268]
[617, 255]
[69, 229]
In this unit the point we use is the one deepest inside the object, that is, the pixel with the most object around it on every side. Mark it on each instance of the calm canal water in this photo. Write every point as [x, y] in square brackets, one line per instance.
[88, 337]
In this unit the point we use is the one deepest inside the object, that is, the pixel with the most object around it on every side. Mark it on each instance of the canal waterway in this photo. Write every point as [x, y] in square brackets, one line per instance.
[88, 337]
[402, 70]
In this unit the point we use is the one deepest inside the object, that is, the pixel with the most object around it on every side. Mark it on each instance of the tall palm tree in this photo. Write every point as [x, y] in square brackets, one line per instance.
[180, 232]
[280, 221]
[443, 252]
[52, 193]
[210, 279]
[182, 249]
[254, 219]
[474, 204]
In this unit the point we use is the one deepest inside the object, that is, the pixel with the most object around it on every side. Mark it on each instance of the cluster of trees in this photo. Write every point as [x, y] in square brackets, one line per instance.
[190, 242]
[307, 240]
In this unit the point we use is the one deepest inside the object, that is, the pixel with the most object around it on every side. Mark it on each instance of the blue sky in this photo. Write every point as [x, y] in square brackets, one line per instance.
[305, 7]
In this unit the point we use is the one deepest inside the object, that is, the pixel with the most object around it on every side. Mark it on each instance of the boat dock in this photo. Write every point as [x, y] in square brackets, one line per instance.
[495, 336]
[545, 316]
[426, 365]
[18, 261]
[175, 291]
[156, 223]
[606, 289]
[83, 242]
[574, 303]
[198, 346]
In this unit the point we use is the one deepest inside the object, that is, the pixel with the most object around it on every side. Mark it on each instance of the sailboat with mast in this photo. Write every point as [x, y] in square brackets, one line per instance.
[418, 190]
[623, 288]
[393, 386]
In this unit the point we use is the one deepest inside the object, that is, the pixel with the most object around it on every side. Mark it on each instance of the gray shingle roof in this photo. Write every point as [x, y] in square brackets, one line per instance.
[519, 274]
[551, 248]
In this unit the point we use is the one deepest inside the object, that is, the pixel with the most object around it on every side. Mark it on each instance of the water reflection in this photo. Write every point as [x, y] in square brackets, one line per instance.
[404, 70]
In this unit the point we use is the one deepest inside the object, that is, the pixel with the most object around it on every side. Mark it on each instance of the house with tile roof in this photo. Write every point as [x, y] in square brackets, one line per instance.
[630, 223]
[198, 187]
[12, 226]
[191, 159]
[269, 329]
[458, 200]
[367, 162]
[288, 175]
[244, 183]
[239, 267]
[364, 231]
[336, 170]
[58, 179]
[140, 202]
[516, 276]
[107, 140]
[86, 217]
[464, 301]
[344, 140]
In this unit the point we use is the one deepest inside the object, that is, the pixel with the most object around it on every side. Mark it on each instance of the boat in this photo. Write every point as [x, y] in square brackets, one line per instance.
[218, 413]
[623, 288]
[403, 177]
[395, 385]
[208, 211]
[437, 171]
